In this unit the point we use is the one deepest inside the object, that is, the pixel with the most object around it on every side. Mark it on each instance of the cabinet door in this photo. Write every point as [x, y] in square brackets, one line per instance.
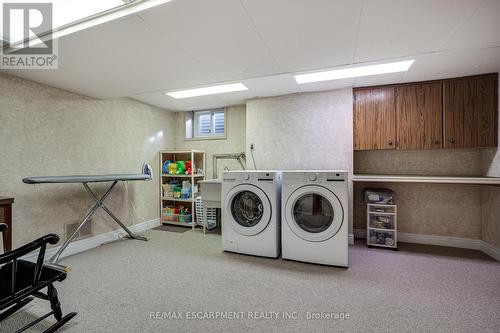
[419, 109]
[374, 118]
[471, 112]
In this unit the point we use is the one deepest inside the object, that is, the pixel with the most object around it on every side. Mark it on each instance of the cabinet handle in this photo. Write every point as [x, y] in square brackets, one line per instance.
[390, 142]
[451, 140]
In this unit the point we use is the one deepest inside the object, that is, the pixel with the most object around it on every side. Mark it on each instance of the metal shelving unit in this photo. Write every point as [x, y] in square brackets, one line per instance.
[195, 156]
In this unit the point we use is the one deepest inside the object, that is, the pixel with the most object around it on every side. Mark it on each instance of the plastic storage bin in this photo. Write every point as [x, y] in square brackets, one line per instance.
[379, 196]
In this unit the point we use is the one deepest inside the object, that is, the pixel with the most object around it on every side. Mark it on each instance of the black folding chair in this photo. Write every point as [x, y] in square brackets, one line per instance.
[22, 280]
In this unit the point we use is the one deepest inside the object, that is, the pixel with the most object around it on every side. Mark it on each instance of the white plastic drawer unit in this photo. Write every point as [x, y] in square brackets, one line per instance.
[376, 208]
[382, 221]
[384, 238]
[381, 225]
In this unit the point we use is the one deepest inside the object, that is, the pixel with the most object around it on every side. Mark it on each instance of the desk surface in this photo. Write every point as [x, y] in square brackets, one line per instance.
[427, 179]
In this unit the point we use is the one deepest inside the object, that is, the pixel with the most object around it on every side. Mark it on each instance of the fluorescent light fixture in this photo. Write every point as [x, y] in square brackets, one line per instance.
[71, 16]
[224, 88]
[345, 73]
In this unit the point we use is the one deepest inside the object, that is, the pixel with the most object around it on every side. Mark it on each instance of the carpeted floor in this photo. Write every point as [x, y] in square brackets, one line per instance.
[116, 287]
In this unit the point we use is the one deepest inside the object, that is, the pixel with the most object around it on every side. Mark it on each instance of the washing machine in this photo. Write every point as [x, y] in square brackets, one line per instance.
[251, 202]
[315, 217]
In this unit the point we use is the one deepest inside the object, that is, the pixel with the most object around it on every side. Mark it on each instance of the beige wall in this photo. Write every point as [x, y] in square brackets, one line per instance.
[233, 143]
[449, 162]
[491, 215]
[47, 131]
[302, 131]
[491, 196]
[429, 209]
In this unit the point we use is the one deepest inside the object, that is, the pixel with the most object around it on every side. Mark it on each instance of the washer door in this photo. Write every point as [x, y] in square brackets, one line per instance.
[314, 213]
[249, 209]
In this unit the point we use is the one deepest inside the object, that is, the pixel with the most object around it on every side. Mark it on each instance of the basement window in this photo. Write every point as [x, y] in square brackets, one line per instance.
[206, 124]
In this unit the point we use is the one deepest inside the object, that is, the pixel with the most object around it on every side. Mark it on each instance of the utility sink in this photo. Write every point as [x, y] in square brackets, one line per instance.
[211, 190]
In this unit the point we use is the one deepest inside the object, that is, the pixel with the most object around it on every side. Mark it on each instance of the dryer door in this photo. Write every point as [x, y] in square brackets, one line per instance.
[249, 209]
[314, 213]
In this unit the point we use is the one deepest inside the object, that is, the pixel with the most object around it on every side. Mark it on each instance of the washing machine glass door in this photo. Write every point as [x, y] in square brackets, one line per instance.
[314, 213]
[249, 209]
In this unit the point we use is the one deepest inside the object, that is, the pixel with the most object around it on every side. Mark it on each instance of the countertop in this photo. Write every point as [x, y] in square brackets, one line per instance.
[480, 180]
[6, 201]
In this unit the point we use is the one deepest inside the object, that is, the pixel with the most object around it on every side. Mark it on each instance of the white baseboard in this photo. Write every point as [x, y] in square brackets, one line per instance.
[464, 243]
[95, 241]
[350, 239]
[490, 250]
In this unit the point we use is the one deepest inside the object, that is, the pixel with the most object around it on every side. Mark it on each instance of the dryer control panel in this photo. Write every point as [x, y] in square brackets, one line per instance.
[315, 176]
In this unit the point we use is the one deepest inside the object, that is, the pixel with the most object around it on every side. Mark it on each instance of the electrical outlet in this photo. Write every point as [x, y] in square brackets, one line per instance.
[252, 146]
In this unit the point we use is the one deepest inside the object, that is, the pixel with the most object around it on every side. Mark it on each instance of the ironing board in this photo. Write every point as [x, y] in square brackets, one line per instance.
[99, 202]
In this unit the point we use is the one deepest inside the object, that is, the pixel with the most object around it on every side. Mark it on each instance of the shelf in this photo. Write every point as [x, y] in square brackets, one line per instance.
[182, 151]
[381, 204]
[427, 179]
[381, 213]
[196, 157]
[182, 176]
[382, 245]
[381, 229]
[184, 224]
[177, 199]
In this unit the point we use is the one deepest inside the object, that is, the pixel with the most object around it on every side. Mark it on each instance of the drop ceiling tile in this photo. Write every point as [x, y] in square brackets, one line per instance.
[218, 33]
[397, 28]
[491, 63]
[375, 80]
[120, 58]
[327, 85]
[446, 64]
[161, 100]
[482, 29]
[272, 85]
[304, 36]
[204, 102]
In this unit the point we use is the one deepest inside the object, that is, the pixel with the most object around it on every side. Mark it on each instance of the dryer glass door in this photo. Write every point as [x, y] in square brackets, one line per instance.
[314, 213]
[250, 209]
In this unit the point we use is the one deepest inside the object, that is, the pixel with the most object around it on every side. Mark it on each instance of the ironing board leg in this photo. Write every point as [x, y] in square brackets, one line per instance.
[99, 204]
[106, 209]
[55, 258]
[130, 233]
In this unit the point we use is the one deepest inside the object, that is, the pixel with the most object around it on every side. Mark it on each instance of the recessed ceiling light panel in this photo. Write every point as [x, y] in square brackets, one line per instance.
[220, 89]
[358, 71]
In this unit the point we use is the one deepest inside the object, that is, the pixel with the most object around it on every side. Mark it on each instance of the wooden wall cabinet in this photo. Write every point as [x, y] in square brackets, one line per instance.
[471, 112]
[420, 116]
[451, 113]
[374, 119]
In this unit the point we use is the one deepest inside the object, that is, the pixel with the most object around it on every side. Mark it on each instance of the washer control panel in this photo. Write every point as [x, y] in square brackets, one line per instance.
[251, 175]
